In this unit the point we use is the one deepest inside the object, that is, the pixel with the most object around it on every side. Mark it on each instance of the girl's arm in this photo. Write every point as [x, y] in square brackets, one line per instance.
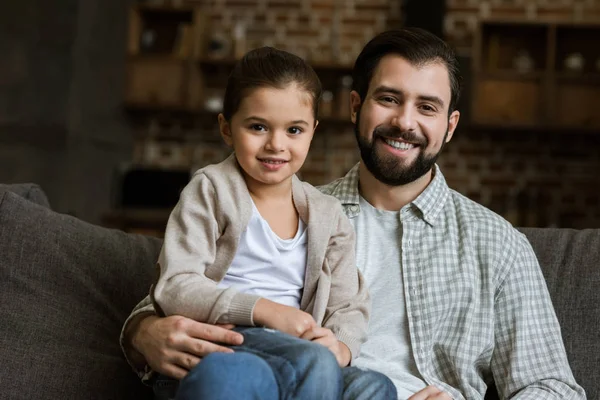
[189, 252]
[349, 303]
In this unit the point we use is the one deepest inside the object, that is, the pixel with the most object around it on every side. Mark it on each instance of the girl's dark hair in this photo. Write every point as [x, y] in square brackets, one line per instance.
[417, 46]
[269, 67]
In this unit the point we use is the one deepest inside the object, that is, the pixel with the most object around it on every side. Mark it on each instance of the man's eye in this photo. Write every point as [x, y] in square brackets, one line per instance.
[428, 108]
[388, 99]
[294, 130]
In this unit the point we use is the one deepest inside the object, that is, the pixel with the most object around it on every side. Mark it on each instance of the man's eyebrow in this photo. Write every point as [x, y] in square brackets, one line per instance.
[386, 89]
[432, 99]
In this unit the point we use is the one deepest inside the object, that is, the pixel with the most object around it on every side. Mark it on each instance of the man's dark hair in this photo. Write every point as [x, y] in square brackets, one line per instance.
[417, 46]
[269, 67]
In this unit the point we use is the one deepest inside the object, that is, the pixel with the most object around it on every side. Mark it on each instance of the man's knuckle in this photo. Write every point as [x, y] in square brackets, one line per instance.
[180, 324]
[201, 347]
[171, 340]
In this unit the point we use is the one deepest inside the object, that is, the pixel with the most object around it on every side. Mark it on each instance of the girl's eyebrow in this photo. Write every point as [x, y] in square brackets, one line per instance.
[264, 121]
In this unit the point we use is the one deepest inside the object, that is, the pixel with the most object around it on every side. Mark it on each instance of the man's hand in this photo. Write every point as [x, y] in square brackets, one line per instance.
[325, 337]
[281, 317]
[430, 393]
[174, 345]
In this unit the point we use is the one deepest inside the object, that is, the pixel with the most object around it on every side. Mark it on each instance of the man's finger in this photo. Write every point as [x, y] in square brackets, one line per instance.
[202, 348]
[174, 372]
[213, 333]
[425, 394]
[187, 361]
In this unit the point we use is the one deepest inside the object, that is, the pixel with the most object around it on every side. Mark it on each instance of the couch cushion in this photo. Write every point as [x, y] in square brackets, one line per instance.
[570, 261]
[66, 288]
[29, 191]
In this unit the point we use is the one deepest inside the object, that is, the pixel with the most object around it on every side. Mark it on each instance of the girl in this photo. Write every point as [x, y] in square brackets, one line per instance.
[249, 244]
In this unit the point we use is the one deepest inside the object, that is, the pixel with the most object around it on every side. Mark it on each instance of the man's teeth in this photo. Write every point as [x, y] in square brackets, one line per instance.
[399, 145]
[273, 161]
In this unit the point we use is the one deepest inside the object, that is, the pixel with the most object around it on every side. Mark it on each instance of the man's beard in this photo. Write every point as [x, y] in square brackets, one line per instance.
[385, 167]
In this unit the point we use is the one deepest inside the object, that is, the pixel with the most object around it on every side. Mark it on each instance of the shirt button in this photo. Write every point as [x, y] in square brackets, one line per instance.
[354, 208]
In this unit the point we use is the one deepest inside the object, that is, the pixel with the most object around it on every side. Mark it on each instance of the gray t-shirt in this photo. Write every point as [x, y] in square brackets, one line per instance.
[378, 256]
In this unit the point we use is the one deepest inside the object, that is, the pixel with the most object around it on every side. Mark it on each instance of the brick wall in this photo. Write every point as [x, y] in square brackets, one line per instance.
[534, 179]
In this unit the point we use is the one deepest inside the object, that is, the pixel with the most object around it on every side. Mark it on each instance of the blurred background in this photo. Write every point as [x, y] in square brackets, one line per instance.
[109, 104]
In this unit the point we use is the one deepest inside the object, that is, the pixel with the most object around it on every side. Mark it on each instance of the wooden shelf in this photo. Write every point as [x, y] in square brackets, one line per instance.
[579, 78]
[512, 75]
[163, 57]
[532, 128]
[230, 62]
[548, 99]
[163, 9]
[138, 220]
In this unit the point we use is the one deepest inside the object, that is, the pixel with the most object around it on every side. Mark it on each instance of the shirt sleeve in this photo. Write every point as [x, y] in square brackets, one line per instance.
[189, 250]
[144, 307]
[348, 307]
[529, 359]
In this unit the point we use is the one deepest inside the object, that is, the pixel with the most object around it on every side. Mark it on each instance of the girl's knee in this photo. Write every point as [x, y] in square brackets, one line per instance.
[318, 360]
[223, 375]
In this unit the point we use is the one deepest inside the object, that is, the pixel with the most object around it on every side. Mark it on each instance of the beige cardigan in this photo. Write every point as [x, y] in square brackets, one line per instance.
[201, 240]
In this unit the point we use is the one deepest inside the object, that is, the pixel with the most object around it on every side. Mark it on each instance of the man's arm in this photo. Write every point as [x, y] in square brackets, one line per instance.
[529, 359]
[173, 345]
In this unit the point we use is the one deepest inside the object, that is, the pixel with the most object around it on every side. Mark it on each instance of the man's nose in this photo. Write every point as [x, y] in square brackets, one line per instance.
[404, 118]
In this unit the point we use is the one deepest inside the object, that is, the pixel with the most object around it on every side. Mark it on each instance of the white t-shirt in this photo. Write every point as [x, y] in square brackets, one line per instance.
[267, 265]
[379, 258]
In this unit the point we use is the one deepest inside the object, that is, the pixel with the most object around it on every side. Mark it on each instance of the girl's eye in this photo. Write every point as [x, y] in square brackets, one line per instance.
[258, 127]
[294, 130]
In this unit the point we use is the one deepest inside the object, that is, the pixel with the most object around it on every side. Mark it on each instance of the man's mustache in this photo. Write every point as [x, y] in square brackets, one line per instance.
[393, 132]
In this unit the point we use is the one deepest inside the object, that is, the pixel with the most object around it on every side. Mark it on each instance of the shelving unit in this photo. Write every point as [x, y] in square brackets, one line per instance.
[172, 74]
[164, 43]
[177, 70]
[536, 75]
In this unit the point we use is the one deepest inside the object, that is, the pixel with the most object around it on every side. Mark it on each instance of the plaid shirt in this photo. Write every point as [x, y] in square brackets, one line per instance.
[477, 303]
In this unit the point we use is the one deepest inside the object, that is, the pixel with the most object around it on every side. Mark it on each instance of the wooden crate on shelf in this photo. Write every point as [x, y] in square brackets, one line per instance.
[536, 74]
[164, 45]
[508, 102]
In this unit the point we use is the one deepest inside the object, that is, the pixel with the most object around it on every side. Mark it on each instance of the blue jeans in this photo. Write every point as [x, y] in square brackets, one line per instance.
[274, 365]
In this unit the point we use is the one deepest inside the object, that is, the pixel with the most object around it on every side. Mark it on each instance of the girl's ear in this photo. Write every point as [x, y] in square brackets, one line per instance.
[225, 130]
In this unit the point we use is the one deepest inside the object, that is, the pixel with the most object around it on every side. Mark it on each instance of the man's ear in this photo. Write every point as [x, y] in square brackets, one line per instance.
[452, 124]
[225, 130]
[355, 104]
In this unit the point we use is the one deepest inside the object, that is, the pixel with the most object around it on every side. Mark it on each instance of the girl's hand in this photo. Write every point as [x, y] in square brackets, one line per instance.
[283, 318]
[326, 338]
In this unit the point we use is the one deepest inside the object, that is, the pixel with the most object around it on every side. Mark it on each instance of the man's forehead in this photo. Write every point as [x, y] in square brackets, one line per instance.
[394, 71]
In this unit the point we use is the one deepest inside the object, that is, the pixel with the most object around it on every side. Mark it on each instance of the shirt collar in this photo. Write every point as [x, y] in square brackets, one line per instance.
[430, 202]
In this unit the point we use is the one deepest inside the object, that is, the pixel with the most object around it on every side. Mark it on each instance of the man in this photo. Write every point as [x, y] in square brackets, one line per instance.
[459, 301]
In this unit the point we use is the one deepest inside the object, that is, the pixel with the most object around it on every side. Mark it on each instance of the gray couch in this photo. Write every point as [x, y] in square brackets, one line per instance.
[66, 287]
